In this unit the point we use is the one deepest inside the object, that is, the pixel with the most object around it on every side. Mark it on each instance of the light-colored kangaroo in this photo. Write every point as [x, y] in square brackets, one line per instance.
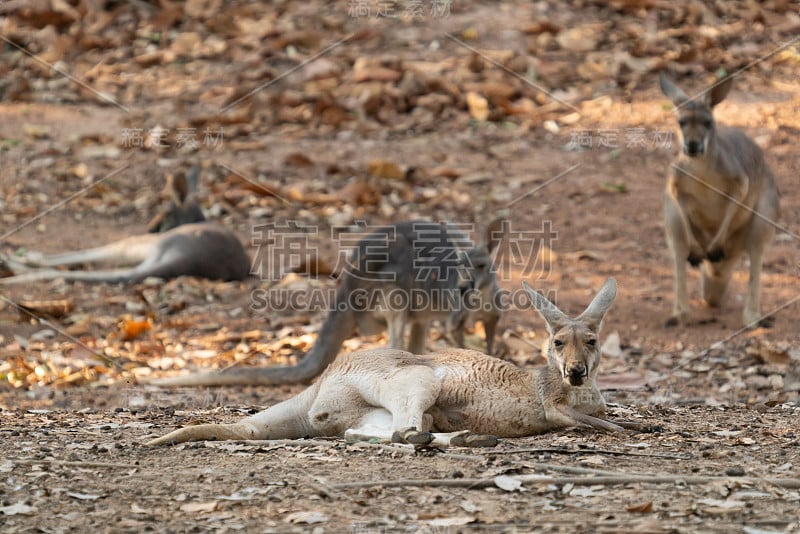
[721, 201]
[401, 277]
[181, 242]
[456, 396]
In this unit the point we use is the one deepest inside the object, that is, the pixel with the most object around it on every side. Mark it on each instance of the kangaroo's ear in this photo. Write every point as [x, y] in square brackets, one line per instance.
[671, 91]
[554, 317]
[495, 232]
[719, 91]
[593, 316]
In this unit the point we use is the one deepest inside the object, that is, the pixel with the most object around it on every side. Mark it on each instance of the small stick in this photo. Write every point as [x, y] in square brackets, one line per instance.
[581, 470]
[476, 483]
[65, 463]
[592, 451]
[277, 443]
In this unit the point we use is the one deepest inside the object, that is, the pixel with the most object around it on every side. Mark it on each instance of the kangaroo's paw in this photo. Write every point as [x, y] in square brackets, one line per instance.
[469, 439]
[715, 254]
[695, 257]
[754, 320]
[412, 436]
[766, 322]
[639, 427]
[674, 321]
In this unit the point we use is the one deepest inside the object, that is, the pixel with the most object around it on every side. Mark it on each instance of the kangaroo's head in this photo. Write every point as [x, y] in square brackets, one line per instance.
[479, 260]
[182, 208]
[695, 116]
[574, 346]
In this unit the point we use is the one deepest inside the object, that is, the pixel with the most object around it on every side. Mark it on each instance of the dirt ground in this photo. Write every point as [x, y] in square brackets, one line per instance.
[327, 114]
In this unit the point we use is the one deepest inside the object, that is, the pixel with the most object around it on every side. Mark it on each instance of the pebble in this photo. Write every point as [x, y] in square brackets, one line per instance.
[735, 471]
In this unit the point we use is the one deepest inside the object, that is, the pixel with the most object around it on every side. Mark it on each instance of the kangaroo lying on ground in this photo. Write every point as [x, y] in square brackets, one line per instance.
[721, 201]
[425, 263]
[181, 242]
[456, 396]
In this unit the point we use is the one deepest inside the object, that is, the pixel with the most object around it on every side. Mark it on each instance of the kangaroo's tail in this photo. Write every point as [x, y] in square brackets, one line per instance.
[285, 420]
[338, 326]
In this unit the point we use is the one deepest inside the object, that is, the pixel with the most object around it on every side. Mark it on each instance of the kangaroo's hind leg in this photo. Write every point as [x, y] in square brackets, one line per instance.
[127, 251]
[679, 247]
[407, 394]
[759, 236]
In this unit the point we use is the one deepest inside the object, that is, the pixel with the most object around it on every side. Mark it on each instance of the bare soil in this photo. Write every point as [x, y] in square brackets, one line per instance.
[320, 146]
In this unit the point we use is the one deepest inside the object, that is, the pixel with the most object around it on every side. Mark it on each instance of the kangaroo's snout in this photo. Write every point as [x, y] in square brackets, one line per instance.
[693, 148]
[576, 374]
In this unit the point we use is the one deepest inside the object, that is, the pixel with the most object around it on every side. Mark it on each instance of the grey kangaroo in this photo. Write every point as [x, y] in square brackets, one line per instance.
[721, 201]
[454, 397]
[180, 242]
[403, 275]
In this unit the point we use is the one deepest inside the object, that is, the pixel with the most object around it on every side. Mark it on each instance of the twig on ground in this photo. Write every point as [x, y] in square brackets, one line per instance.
[632, 478]
[278, 443]
[65, 463]
[556, 450]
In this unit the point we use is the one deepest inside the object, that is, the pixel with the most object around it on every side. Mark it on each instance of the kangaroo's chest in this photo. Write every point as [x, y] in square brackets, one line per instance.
[705, 196]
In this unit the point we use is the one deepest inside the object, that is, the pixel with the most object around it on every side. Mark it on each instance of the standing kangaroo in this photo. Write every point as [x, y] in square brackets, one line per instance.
[453, 397]
[181, 242]
[721, 201]
[403, 275]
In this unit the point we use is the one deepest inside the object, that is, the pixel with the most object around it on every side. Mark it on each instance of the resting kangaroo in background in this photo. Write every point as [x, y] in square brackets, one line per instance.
[186, 245]
[721, 201]
[470, 397]
[426, 263]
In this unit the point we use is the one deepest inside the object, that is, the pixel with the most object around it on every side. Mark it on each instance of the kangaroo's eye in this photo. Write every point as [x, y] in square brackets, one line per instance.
[681, 122]
[591, 342]
[557, 343]
[707, 124]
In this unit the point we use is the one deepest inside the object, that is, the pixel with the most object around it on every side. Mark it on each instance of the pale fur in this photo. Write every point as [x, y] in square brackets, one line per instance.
[405, 251]
[721, 201]
[186, 245]
[462, 396]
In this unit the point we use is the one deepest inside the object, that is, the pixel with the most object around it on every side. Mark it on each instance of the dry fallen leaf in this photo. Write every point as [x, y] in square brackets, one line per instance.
[136, 509]
[308, 518]
[641, 508]
[478, 106]
[192, 507]
[455, 521]
[131, 329]
[768, 353]
[19, 508]
[298, 159]
[507, 483]
[579, 39]
[386, 169]
[83, 496]
[50, 308]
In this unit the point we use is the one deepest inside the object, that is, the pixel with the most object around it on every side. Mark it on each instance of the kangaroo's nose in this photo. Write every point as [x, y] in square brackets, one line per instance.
[693, 148]
[576, 374]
